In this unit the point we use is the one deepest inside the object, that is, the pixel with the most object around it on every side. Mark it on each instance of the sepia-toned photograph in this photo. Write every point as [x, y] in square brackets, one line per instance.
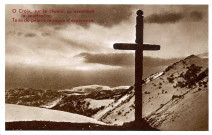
[106, 67]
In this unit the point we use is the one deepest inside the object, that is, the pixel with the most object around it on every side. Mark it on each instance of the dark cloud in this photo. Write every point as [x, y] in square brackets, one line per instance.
[196, 15]
[112, 59]
[124, 59]
[104, 15]
[19, 33]
[46, 34]
[11, 32]
[59, 27]
[172, 17]
[30, 35]
[167, 17]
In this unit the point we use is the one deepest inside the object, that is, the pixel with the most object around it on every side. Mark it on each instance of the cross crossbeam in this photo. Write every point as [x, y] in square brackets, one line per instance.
[128, 46]
[138, 47]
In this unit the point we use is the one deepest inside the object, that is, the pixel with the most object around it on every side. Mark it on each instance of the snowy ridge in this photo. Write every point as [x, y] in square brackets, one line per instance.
[153, 77]
[96, 87]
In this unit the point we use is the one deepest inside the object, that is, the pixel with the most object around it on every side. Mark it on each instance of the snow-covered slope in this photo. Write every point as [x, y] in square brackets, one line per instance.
[26, 113]
[186, 112]
[103, 113]
[171, 99]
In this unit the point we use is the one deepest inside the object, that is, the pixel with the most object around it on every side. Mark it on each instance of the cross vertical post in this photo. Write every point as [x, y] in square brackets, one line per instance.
[139, 47]
[138, 68]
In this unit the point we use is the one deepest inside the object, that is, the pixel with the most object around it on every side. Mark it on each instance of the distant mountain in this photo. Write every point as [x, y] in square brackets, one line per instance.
[84, 100]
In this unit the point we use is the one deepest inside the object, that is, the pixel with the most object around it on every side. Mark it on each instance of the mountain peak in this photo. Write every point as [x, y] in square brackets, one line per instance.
[191, 56]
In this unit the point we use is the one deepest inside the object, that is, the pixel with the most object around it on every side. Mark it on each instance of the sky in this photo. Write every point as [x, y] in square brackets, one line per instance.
[66, 55]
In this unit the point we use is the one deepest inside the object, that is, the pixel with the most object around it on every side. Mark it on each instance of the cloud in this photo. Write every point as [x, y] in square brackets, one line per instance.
[173, 17]
[11, 32]
[167, 17]
[19, 33]
[46, 34]
[196, 15]
[123, 59]
[30, 35]
[112, 59]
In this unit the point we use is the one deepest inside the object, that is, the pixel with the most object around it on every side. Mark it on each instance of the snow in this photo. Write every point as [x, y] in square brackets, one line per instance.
[26, 113]
[111, 107]
[51, 104]
[95, 87]
[120, 87]
[98, 103]
[154, 76]
[83, 88]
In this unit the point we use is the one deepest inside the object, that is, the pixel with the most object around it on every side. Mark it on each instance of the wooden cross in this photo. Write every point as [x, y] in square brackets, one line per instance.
[138, 47]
